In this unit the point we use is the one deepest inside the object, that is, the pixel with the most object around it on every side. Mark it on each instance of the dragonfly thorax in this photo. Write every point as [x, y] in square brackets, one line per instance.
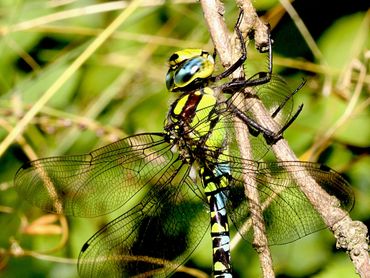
[194, 125]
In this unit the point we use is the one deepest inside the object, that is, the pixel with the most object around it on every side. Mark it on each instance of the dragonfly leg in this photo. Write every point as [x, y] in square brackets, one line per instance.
[290, 96]
[241, 59]
[259, 78]
[255, 128]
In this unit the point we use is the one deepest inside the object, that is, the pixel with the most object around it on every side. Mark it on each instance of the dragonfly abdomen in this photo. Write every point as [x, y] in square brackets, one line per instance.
[216, 185]
[220, 235]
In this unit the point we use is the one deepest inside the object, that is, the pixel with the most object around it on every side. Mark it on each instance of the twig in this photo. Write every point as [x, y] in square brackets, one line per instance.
[351, 235]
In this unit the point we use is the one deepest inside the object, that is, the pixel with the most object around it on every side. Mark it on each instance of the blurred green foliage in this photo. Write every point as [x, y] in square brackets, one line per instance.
[120, 90]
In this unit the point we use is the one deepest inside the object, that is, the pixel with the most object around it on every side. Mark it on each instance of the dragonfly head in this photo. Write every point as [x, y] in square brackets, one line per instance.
[188, 67]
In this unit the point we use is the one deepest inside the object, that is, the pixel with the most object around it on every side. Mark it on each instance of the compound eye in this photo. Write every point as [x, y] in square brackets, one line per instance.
[170, 81]
[188, 71]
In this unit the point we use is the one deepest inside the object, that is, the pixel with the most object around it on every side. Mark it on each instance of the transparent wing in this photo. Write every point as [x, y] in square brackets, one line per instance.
[275, 96]
[96, 183]
[153, 238]
[287, 213]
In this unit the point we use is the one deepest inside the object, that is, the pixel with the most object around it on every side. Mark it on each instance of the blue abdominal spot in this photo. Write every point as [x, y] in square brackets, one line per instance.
[222, 169]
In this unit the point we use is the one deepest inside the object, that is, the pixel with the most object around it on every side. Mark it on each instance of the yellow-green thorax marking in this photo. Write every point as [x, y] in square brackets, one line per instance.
[194, 125]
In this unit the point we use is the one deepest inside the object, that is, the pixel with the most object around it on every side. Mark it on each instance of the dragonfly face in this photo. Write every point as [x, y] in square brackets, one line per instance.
[188, 67]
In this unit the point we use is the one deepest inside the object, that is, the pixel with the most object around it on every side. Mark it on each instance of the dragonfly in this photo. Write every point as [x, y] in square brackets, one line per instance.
[176, 185]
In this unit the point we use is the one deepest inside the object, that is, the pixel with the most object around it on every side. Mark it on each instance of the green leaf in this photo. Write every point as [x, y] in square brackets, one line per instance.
[337, 42]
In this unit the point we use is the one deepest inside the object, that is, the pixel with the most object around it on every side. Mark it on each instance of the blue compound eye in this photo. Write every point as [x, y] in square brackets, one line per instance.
[169, 80]
[188, 71]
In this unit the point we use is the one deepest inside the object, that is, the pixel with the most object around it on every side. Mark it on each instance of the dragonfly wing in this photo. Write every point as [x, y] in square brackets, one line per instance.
[276, 97]
[96, 183]
[287, 213]
[153, 238]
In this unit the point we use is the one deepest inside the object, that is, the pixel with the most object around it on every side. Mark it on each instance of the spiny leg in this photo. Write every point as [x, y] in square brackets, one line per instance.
[255, 128]
[258, 78]
[290, 96]
[270, 136]
[263, 77]
[241, 59]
